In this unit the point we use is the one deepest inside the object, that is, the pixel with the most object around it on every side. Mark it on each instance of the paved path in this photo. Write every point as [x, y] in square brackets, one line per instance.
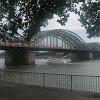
[9, 91]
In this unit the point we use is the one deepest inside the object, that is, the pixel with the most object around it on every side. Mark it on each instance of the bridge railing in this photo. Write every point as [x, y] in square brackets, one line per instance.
[15, 44]
[25, 45]
[70, 82]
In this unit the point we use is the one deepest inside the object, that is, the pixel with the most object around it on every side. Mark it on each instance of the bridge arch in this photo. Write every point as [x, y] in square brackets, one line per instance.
[69, 39]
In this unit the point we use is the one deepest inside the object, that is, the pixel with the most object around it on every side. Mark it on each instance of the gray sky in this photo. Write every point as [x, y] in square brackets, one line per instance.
[73, 25]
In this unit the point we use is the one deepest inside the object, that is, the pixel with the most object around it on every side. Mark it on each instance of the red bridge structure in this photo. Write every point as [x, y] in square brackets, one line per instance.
[18, 52]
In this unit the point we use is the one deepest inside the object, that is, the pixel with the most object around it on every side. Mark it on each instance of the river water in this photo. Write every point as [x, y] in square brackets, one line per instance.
[91, 67]
[84, 76]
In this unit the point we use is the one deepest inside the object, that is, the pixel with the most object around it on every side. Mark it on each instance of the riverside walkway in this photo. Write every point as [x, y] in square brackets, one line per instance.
[17, 85]
[11, 91]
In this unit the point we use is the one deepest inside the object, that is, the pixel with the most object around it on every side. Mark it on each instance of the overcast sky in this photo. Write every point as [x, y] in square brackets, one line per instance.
[73, 25]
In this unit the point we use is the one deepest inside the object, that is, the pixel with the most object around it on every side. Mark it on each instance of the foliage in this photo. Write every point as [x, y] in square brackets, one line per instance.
[90, 17]
[30, 15]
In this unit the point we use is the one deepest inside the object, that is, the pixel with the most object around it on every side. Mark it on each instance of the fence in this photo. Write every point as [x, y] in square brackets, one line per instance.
[70, 82]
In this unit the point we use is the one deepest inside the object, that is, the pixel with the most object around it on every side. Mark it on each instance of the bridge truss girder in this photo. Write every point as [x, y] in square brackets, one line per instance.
[69, 39]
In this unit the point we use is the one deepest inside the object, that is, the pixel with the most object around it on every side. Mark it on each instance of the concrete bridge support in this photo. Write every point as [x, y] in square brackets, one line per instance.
[96, 55]
[90, 55]
[81, 56]
[19, 57]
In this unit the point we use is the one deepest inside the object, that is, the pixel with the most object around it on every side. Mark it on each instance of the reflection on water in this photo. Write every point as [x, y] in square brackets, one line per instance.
[81, 68]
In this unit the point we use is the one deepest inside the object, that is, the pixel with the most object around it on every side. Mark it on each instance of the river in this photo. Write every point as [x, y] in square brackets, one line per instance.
[91, 67]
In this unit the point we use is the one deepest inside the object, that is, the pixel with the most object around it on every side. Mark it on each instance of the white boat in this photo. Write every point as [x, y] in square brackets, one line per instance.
[54, 61]
[57, 60]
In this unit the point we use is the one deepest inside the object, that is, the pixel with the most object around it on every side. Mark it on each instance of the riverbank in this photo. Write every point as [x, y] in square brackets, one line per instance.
[12, 91]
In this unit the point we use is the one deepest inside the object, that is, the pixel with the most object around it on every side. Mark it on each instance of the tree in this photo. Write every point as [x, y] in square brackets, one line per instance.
[90, 17]
[30, 15]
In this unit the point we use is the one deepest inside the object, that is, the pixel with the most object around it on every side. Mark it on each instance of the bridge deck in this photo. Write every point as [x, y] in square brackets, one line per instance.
[15, 46]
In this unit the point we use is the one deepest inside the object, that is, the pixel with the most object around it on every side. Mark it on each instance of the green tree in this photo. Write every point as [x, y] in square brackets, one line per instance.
[90, 17]
[30, 15]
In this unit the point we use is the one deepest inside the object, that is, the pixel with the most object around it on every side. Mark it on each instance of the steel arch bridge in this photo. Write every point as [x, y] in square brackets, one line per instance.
[59, 38]
[94, 46]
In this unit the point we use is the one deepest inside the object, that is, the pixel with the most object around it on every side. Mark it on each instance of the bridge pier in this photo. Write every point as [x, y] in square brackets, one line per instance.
[90, 55]
[81, 56]
[19, 57]
[96, 55]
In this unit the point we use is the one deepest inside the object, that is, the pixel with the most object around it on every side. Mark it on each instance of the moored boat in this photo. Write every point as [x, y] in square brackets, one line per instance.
[57, 61]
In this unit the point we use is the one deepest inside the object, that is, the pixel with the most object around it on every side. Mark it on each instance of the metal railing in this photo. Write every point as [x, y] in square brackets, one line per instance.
[15, 44]
[70, 82]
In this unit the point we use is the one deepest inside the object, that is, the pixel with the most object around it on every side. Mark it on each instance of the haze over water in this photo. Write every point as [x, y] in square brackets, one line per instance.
[91, 67]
